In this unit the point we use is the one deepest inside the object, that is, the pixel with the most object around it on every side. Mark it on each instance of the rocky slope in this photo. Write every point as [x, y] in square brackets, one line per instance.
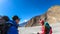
[52, 16]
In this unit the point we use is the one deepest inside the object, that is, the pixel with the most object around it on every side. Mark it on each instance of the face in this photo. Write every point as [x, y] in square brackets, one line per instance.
[17, 21]
[40, 22]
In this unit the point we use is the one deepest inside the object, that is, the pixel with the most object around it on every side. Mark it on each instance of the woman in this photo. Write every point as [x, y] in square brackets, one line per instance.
[44, 30]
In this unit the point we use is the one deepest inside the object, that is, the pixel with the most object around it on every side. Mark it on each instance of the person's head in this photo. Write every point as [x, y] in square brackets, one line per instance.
[6, 18]
[41, 22]
[16, 19]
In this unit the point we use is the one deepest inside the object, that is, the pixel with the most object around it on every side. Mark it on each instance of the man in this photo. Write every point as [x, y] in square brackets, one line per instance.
[16, 19]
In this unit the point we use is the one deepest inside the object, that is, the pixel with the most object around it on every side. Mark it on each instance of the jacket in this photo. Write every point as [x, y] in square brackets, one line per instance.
[13, 29]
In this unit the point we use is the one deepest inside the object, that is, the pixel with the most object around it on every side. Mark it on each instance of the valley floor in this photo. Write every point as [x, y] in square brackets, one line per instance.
[34, 30]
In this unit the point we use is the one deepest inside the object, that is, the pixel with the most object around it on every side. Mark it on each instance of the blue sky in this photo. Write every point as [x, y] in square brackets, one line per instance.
[25, 9]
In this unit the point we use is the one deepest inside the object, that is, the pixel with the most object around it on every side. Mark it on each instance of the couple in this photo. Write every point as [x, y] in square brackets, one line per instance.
[46, 28]
[13, 29]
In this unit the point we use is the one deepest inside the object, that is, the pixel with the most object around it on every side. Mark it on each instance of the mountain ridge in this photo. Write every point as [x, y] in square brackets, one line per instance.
[51, 16]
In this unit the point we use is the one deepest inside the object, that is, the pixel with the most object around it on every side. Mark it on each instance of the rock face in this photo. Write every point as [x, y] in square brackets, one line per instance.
[51, 16]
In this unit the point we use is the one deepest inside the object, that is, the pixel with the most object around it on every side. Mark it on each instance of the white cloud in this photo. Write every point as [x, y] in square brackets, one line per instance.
[25, 20]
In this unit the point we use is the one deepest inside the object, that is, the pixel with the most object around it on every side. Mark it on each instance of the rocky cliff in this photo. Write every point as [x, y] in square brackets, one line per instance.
[51, 16]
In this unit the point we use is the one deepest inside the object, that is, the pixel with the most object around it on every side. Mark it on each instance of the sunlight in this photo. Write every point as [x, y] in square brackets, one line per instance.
[25, 20]
[3, 1]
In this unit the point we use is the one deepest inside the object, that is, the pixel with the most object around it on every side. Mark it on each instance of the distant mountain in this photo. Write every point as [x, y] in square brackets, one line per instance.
[22, 24]
[52, 16]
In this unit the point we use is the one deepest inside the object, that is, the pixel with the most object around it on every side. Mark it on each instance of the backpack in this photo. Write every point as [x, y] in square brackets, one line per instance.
[4, 26]
[47, 28]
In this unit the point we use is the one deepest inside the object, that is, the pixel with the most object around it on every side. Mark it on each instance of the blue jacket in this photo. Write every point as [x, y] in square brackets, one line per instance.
[13, 29]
